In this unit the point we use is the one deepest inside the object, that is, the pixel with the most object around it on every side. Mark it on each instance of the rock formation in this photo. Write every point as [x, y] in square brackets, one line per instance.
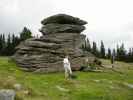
[61, 36]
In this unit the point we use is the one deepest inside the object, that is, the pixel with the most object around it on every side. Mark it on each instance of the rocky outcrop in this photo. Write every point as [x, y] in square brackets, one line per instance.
[63, 19]
[61, 28]
[61, 36]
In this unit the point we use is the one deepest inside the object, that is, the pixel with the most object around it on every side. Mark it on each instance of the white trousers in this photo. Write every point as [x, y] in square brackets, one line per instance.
[68, 70]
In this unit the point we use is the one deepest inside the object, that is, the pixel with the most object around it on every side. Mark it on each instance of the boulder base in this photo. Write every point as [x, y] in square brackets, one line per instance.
[46, 54]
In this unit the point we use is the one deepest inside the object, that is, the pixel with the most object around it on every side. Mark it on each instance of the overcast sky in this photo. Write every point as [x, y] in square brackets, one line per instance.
[108, 20]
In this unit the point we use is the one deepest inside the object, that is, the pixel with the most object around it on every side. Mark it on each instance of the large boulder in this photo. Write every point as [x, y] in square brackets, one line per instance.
[47, 53]
[61, 37]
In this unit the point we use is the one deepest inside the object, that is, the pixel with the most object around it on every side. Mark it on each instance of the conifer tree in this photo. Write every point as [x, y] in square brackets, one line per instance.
[1, 44]
[25, 34]
[102, 50]
[117, 52]
[8, 48]
[109, 53]
[15, 42]
[88, 45]
[122, 53]
[95, 49]
[129, 55]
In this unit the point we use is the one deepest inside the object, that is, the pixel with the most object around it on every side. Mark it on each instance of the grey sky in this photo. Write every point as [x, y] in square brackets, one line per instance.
[108, 20]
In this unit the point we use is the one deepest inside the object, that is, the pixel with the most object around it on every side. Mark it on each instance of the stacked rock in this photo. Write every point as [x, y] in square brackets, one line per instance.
[62, 23]
[61, 37]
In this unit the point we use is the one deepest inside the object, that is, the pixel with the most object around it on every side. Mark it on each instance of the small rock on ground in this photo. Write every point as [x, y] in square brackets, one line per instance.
[7, 94]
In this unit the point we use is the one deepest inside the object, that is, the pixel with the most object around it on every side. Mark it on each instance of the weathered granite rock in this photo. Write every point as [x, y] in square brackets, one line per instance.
[61, 23]
[7, 94]
[60, 28]
[48, 52]
[63, 19]
[61, 36]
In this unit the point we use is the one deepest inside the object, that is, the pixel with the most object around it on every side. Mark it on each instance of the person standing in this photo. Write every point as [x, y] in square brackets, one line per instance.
[113, 59]
[67, 67]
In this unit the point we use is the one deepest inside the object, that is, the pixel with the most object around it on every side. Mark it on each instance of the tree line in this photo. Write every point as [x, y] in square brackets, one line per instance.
[120, 53]
[10, 41]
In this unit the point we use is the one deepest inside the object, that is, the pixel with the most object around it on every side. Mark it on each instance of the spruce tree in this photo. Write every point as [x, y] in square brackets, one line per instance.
[88, 45]
[1, 44]
[129, 55]
[4, 44]
[114, 53]
[15, 42]
[95, 50]
[8, 49]
[83, 46]
[25, 34]
[109, 53]
[132, 55]
[122, 54]
[118, 53]
[102, 50]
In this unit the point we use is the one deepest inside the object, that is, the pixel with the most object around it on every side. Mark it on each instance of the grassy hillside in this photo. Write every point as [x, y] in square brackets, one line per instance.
[107, 85]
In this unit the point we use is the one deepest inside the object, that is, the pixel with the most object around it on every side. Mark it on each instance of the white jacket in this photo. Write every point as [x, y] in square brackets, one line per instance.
[66, 61]
[67, 65]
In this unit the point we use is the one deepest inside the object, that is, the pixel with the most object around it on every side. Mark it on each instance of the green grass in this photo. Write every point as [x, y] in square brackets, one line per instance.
[106, 85]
